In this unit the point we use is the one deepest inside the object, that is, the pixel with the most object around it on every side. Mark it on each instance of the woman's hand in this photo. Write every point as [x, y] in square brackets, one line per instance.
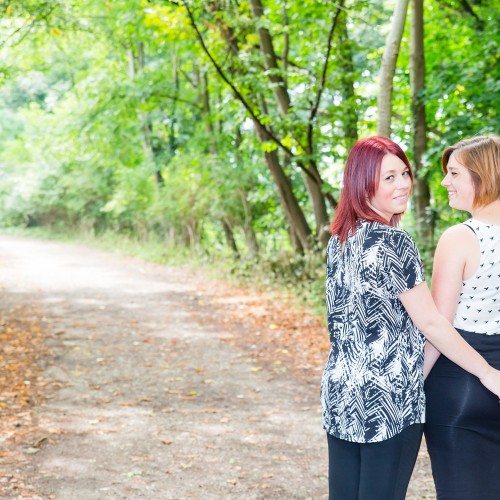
[491, 380]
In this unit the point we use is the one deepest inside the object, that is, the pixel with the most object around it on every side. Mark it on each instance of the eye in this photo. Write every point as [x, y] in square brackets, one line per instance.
[406, 173]
[390, 178]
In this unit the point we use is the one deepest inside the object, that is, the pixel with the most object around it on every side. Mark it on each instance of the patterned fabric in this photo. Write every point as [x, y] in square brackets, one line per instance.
[478, 309]
[372, 385]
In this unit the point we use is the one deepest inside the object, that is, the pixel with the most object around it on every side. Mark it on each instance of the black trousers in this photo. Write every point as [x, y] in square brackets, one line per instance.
[463, 427]
[373, 471]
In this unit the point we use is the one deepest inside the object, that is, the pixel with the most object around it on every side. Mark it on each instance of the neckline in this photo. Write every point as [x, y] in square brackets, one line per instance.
[488, 224]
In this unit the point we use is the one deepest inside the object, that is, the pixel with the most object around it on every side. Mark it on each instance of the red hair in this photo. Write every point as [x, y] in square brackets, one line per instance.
[361, 178]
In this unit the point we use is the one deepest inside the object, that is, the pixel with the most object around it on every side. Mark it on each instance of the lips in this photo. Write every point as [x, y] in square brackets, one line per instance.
[401, 198]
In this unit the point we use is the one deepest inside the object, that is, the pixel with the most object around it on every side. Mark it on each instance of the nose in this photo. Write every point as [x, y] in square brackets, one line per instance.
[446, 181]
[404, 182]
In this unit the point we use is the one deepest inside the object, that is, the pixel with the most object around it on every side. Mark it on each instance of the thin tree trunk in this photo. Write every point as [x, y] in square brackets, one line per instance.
[172, 137]
[231, 242]
[270, 60]
[297, 246]
[250, 237]
[205, 100]
[388, 68]
[316, 192]
[291, 208]
[319, 205]
[136, 62]
[135, 67]
[192, 231]
[171, 236]
[286, 43]
[293, 212]
[417, 80]
[350, 122]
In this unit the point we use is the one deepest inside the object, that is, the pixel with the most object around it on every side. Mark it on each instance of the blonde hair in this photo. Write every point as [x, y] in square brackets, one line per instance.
[481, 157]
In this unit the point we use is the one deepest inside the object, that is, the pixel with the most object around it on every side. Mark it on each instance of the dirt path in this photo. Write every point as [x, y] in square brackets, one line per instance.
[152, 397]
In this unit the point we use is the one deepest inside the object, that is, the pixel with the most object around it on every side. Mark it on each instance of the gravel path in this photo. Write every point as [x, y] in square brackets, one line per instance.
[152, 401]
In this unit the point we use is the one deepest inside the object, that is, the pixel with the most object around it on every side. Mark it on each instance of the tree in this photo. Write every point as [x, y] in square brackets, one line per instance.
[389, 59]
[417, 72]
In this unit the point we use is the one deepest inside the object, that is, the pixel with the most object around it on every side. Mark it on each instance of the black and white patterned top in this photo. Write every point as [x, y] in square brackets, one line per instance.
[478, 308]
[372, 385]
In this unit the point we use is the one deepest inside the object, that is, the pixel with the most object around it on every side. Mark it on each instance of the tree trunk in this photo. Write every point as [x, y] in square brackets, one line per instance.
[417, 80]
[172, 137]
[205, 101]
[388, 68]
[171, 238]
[319, 204]
[270, 60]
[228, 233]
[286, 43]
[296, 245]
[250, 237]
[290, 204]
[350, 122]
[136, 62]
[192, 233]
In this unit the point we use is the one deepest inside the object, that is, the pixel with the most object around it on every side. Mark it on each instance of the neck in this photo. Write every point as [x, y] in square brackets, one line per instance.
[384, 216]
[488, 213]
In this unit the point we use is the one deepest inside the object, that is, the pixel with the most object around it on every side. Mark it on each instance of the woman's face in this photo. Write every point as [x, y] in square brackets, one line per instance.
[458, 182]
[394, 186]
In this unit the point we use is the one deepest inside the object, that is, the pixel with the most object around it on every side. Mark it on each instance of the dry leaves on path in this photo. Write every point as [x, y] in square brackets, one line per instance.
[21, 387]
[282, 334]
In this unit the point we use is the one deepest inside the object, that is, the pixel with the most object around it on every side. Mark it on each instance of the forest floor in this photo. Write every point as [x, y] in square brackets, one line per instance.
[125, 379]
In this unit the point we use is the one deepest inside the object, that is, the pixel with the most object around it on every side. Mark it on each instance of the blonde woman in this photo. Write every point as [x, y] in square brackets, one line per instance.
[462, 417]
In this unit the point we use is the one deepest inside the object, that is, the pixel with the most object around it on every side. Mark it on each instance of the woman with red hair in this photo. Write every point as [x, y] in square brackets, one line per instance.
[379, 313]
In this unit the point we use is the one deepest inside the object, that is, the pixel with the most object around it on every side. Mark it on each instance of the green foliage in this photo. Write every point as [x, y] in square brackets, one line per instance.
[113, 119]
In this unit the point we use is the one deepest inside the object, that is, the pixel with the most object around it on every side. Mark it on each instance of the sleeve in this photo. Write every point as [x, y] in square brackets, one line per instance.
[332, 250]
[401, 264]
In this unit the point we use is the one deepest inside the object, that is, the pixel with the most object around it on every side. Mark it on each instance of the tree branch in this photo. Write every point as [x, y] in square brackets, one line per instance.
[467, 7]
[43, 16]
[177, 99]
[314, 109]
[269, 135]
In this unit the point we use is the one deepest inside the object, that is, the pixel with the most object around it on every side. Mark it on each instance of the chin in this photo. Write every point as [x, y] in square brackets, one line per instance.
[455, 206]
[400, 210]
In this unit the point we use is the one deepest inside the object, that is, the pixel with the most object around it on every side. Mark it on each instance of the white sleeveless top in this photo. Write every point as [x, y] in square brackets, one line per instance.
[478, 309]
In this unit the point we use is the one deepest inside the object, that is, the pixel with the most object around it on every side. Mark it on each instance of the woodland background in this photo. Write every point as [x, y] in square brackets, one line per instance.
[218, 129]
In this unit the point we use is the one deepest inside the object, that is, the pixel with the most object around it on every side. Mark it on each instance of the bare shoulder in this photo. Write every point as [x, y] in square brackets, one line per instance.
[459, 237]
[453, 251]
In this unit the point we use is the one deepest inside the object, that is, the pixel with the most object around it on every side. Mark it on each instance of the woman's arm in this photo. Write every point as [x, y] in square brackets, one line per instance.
[450, 260]
[456, 259]
[431, 355]
[420, 306]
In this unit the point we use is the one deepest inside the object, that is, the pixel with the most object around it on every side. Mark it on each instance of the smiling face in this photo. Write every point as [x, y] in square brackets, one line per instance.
[394, 187]
[458, 182]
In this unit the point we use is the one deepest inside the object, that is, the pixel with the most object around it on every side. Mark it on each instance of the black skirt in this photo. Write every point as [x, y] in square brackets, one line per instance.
[462, 427]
